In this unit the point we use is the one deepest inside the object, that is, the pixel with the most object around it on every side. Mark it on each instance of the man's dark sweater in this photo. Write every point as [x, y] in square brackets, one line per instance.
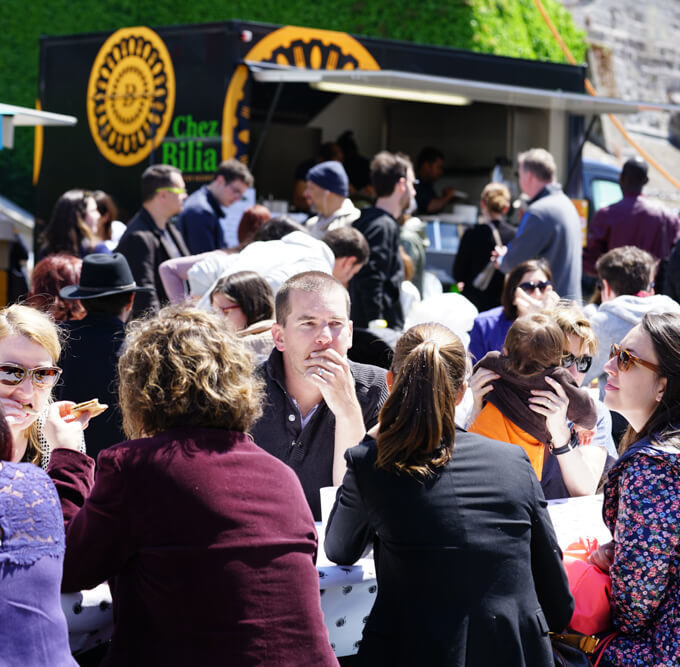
[374, 291]
[309, 451]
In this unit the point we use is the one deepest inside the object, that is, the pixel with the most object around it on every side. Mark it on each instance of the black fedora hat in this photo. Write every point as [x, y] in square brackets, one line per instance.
[103, 275]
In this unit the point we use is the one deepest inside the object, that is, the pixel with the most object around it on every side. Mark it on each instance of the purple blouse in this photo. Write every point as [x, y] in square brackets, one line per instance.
[32, 624]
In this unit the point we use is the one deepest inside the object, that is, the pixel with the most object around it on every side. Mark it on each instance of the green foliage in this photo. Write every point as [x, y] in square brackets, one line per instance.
[503, 27]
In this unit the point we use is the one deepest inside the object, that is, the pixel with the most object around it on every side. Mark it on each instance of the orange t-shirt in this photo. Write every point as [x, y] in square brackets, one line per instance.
[492, 423]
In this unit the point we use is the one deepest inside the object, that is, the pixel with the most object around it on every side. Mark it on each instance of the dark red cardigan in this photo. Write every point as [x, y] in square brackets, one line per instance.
[208, 544]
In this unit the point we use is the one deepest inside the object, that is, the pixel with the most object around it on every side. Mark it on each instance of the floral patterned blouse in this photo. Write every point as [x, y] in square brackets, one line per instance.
[642, 510]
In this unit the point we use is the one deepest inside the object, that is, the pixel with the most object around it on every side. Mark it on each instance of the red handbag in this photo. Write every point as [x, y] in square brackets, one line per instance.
[591, 588]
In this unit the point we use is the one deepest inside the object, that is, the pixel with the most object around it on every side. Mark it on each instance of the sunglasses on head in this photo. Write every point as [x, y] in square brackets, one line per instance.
[41, 376]
[530, 287]
[624, 359]
[583, 363]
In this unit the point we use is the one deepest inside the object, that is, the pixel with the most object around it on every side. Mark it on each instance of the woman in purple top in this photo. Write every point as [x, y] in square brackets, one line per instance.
[528, 288]
[32, 623]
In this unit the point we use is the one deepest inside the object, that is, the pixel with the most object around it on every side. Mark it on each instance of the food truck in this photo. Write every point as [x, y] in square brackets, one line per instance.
[194, 95]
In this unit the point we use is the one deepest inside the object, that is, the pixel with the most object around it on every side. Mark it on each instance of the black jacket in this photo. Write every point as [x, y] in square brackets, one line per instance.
[145, 250]
[375, 289]
[468, 567]
[474, 253]
[89, 361]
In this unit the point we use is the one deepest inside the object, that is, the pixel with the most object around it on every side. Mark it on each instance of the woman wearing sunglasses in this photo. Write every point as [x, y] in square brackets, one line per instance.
[528, 289]
[642, 495]
[29, 348]
[578, 471]
[574, 470]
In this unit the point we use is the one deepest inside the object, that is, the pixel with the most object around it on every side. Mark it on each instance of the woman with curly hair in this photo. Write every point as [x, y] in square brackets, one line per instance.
[208, 541]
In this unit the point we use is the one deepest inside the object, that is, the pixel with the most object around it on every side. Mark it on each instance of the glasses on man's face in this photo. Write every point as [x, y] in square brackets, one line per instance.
[624, 359]
[583, 363]
[41, 376]
[532, 287]
[238, 192]
[175, 191]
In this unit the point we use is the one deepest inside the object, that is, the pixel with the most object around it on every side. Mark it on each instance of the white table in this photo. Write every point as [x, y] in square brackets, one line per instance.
[347, 593]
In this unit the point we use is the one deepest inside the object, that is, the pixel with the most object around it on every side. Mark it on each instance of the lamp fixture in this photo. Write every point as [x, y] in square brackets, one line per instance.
[412, 95]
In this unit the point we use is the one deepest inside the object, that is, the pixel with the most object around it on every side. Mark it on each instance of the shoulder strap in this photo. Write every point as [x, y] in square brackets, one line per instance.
[496, 236]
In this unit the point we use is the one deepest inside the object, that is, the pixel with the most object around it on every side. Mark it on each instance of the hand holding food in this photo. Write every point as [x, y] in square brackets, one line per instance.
[66, 421]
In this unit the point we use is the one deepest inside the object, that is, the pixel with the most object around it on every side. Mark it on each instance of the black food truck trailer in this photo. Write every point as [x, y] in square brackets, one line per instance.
[194, 95]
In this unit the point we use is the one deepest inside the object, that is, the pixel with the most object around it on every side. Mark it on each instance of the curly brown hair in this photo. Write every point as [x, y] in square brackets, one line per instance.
[182, 368]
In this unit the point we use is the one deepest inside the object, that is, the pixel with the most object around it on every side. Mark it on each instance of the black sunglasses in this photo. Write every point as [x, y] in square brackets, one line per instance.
[41, 376]
[583, 363]
[530, 287]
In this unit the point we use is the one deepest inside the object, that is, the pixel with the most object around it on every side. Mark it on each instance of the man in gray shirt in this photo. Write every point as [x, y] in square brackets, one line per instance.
[551, 227]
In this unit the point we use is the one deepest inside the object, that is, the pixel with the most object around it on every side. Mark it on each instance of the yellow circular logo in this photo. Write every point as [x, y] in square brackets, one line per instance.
[131, 95]
[290, 45]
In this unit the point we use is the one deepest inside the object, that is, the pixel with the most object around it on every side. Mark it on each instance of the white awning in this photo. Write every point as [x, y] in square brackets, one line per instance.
[13, 116]
[23, 116]
[447, 90]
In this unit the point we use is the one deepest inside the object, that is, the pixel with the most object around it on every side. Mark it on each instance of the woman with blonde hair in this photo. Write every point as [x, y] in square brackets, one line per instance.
[477, 244]
[207, 540]
[29, 350]
[468, 567]
[569, 454]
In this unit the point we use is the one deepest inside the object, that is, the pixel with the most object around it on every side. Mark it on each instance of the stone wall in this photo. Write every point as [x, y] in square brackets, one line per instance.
[634, 53]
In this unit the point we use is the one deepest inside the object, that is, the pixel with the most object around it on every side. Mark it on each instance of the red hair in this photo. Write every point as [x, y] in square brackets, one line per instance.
[49, 276]
[252, 219]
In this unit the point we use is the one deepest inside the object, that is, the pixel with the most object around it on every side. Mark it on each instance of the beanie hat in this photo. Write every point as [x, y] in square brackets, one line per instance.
[331, 176]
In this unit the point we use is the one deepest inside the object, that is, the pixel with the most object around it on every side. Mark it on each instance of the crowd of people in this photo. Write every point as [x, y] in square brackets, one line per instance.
[232, 363]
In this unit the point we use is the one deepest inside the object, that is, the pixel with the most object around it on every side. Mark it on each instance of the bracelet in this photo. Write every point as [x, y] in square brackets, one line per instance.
[572, 444]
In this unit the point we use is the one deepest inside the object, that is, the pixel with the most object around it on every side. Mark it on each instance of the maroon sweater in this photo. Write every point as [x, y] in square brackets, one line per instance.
[209, 547]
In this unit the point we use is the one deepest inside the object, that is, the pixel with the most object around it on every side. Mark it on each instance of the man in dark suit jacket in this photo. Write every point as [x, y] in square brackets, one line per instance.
[89, 359]
[150, 238]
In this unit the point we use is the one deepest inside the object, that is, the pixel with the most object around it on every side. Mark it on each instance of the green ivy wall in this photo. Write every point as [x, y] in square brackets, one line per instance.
[501, 27]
